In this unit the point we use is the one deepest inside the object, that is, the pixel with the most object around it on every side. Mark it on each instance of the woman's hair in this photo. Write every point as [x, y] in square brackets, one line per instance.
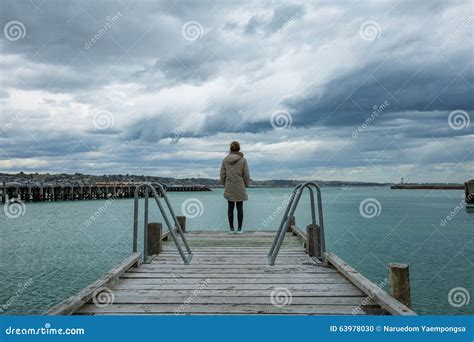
[234, 146]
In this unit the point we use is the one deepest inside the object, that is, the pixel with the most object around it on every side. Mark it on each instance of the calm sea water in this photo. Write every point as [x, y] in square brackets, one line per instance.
[49, 253]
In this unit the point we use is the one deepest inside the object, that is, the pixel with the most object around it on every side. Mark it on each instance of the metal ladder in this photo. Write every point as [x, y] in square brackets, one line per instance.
[289, 212]
[148, 187]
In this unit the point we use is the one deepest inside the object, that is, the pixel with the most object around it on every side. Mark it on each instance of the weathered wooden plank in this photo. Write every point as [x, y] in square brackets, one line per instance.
[226, 275]
[128, 297]
[230, 250]
[231, 261]
[72, 303]
[262, 258]
[239, 254]
[219, 309]
[171, 247]
[236, 269]
[237, 243]
[257, 280]
[237, 238]
[380, 296]
[317, 290]
[227, 233]
[233, 249]
[223, 264]
[158, 266]
[313, 278]
[236, 254]
[227, 236]
[209, 286]
[299, 233]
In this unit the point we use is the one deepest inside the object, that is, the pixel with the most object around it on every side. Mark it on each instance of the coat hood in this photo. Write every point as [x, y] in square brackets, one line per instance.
[233, 157]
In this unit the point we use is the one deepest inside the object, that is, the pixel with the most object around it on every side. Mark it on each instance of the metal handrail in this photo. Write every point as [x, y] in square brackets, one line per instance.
[289, 212]
[150, 188]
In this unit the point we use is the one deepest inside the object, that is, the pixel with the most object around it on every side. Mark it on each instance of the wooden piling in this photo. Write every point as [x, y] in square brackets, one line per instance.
[399, 278]
[182, 222]
[154, 232]
[4, 193]
[313, 243]
[292, 223]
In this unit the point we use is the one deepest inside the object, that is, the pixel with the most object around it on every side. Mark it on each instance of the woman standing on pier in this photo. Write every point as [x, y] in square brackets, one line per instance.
[235, 177]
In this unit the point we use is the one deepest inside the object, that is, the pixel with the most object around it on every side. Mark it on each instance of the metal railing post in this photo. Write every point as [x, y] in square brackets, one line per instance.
[281, 236]
[135, 224]
[290, 210]
[145, 227]
[284, 218]
[149, 188]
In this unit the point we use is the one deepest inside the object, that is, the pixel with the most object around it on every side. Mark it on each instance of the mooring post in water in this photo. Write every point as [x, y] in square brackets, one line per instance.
[292, 223]
[41, 192]
[154, 233]
[182, 222]
[313, 236]
[399, 279]
[4, 193]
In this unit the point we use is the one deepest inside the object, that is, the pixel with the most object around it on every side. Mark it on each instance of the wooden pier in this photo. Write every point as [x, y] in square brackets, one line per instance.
[40, 192]
[469, 194]
[229, 274]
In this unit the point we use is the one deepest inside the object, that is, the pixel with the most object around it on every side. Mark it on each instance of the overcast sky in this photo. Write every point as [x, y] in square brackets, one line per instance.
[356, 90]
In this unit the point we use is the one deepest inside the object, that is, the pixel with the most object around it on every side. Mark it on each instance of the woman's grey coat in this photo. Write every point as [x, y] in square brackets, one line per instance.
[235, 177]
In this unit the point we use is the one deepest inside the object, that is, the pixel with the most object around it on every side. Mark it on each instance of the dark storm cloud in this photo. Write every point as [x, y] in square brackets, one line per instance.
[349, 99]
[280, 17]
[250, 60]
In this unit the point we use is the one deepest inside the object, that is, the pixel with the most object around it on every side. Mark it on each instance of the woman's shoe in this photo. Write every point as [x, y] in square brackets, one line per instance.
[239, 231]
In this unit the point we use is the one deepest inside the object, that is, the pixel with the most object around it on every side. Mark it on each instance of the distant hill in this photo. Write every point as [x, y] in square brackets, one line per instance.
[212, 183]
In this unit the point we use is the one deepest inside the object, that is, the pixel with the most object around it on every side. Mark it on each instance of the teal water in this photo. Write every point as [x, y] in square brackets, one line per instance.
[50, 253]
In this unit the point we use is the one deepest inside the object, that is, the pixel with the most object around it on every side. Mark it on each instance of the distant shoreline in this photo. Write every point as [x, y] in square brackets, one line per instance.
[80, 178]
[427, 187]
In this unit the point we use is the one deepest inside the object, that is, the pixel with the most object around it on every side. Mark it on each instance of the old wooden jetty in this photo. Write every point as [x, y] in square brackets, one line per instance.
[237, 274]
[469, 194]
[35, 192]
